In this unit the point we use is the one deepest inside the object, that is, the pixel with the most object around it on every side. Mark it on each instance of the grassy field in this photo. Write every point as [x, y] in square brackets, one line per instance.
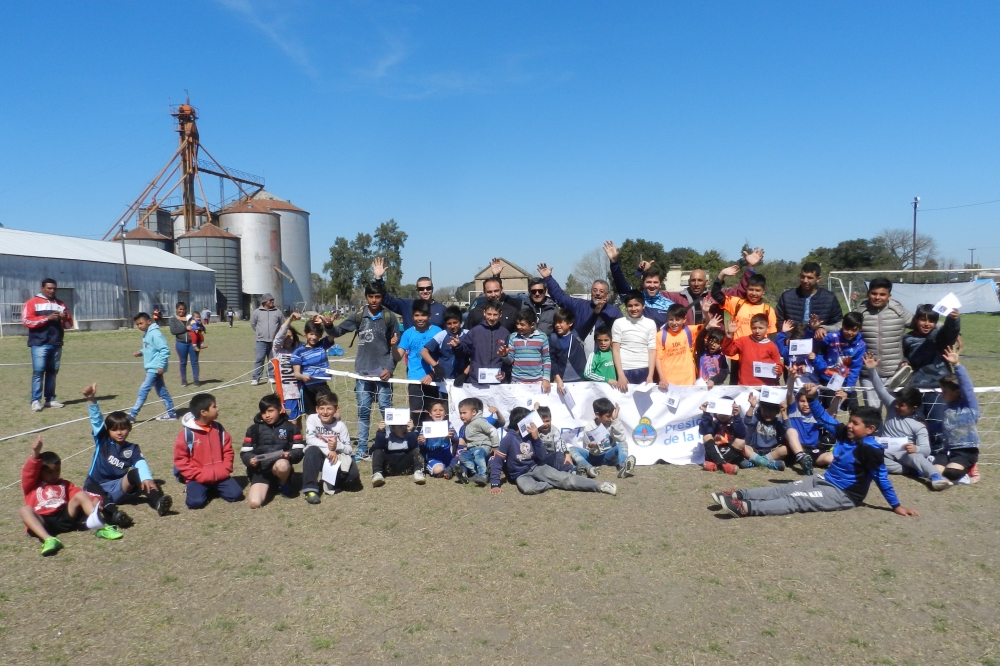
[444, 574]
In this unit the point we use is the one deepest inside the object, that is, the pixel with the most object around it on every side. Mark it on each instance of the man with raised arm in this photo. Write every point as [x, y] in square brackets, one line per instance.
[590, 313]
[404, 306]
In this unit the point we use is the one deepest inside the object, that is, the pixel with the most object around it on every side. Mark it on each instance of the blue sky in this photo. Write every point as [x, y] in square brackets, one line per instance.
[529, 130]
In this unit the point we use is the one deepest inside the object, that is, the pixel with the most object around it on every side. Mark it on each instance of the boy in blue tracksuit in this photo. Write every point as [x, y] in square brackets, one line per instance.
[961, 413]
[815, 426]
[532, 468]
[843, 354]
[569, 359]
[857, 461]
[155, 353]
[118, 471]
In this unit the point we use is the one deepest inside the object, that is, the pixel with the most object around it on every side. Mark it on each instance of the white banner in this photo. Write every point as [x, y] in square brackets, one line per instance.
[656, 431]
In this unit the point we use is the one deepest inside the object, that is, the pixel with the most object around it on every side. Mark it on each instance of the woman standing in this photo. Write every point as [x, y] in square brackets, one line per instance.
[180, 328]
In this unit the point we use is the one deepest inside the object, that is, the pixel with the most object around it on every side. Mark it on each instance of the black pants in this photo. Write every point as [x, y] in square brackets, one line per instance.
[421, 396]
[734, 372]
[723, 454]
[312, 467]
[387, 464]
[309, 393]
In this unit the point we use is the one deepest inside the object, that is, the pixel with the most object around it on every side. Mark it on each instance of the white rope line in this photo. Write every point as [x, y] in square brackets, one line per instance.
[14, 365]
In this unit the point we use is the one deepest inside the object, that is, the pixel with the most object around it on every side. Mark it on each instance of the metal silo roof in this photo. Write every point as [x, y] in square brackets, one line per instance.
[274, 203]
[208, 231]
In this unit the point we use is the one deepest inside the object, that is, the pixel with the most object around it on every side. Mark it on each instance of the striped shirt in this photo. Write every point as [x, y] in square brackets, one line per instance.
[530, 355]
[314, 361]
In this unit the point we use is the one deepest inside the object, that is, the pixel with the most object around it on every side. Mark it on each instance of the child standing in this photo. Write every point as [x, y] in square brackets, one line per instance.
[857, 461]
[412, 344]
[633, 344]
[802, 364]
[271, 433]
[286, 341]
[310, 361]
[327, 438]
[713, 368]
[396, 453]
[155, 353]
[478, 439]
[443, 352]
[569, 360]
[961, 414]
[755, 347]
[611, 450]
[675, 348]
[742, 310]
[528, 352]
[203, 455]
[53, 505]
[484, 341]
[601, 361]
[438, 452]
[118, 470]
[724, 438]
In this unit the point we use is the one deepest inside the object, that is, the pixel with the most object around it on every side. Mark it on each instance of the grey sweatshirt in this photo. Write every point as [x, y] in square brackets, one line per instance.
[900, 426]
[374, 335]
[479, 432]
[265, 323]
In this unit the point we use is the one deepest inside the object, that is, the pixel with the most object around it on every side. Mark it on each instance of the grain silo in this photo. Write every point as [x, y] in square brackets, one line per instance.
[147, 237]
[259, 231]
[157, 220]
[179, 226]
[295, 257]
[214, 248]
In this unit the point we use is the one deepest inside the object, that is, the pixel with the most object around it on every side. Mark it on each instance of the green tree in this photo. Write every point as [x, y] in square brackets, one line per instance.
[857, 254]
[350, 261]
[462, 292]
[388, 243]
[574, 286]
[632, 252]
[341, 268]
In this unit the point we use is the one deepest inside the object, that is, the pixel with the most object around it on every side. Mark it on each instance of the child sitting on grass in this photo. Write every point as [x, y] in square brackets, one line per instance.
[327, 438]
[397, 452]
[477, 440]
[530, 467]
[203, 455]
[53, 505]
[961, 414]
[857, 461]
[815, 426]
[118, 470]
[724, 438]
[770, 441]
[901, 411]
[271, 446]
[601, 362]
[611, 450]
[438, 452]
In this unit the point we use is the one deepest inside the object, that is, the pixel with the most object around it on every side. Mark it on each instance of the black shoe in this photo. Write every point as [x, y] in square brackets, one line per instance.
[112, 515]
[480, 480]
[461, 475]
[163, 505]
[745, 464]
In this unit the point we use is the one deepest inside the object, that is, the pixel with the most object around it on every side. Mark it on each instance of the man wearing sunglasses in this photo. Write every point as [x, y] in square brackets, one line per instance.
[595, 312]
[404, 306]
[543, 305]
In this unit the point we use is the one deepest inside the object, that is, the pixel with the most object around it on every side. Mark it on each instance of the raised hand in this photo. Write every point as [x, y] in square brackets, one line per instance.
[90, 391]
[715, 321]
[611, 251]
[950, 354]
[787, 326]
[753, 258]
[733, 327]
[643, 265]
[36, 446]
[870, 361]
[544, 270]
[728, 271]
[378, 267]
[496, 265]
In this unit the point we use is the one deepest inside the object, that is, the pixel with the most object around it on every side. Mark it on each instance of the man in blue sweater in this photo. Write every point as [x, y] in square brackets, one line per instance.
[404, 306]
[534, 469]
[857, 461]
[588, 314]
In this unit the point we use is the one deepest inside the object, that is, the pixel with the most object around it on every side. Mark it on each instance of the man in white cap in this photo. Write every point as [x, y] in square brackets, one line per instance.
[265, 321]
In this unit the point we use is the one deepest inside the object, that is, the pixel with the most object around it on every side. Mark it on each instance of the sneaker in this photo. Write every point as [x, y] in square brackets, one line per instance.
[938, 482]
[54, 404]
[609, 488]
[709, 466]
[36, 405]
[964, 481]
[361, 457]
[254, 382]
[974, 475]
[717, 497]
[163, 506]
[131, 418]
[51, 546]
[776, 465]
[729, 468]
[461, 474]
[448, 473]
[899, 379]
[312, 497]
[480, 480]
[109, 532]
[735, 507]
[166, 417]
[418, 477]
[328, 489]
[807, 464]
[378, 480]
[627, 469]
[593, 472]
[113, 516]
[745, 464]
[287, 491]
[184, 384]
[761, 461]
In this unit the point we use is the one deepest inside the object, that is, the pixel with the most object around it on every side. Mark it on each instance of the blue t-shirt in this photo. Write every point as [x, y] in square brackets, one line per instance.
[453, 361]
[412, 342]
[313, 360]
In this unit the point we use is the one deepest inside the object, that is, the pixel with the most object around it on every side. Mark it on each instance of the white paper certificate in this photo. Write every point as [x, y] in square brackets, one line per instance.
[773, 394]
[530, 417]
[488, 376]
[432, 429]
[764, 370]
[330, 471]
[893, 444]
[801, 347]
[947, 304]
[397, 416]
[720, 406]
[835, 383]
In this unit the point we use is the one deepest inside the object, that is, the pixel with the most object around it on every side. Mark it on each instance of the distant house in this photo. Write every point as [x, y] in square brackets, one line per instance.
[515, 279]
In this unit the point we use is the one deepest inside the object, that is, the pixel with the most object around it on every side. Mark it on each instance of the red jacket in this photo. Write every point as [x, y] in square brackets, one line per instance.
[35, 317]
[44, 498]
[750, 350]
[210, 459]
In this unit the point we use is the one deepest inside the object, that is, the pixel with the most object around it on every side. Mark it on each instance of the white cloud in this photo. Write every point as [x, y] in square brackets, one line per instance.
[274, 29]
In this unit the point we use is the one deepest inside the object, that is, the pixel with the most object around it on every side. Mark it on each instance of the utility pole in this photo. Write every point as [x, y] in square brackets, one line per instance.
[128, 290]
[430, 268]
[913, 262]
[972, 252]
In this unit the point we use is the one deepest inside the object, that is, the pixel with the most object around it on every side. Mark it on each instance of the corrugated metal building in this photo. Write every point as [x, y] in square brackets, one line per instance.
[91, 278]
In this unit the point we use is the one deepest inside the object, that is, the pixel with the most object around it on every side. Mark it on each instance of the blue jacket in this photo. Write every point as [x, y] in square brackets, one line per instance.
[855, 465]
[404, 308]
[810, 426]
[453, 360]
[924, 353]
[520, 455]
[383, 437]
[961, 416]
[842, 357]
[112, 461]
[155, 351]
[574, 357]
[586, 318]
[480, 345]
[800, 360]
[762, 437]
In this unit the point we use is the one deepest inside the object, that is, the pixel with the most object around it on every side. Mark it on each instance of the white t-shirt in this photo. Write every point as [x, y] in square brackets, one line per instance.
[636, 337]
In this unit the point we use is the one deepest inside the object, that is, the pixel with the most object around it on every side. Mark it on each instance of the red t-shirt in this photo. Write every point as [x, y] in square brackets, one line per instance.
[749, 350]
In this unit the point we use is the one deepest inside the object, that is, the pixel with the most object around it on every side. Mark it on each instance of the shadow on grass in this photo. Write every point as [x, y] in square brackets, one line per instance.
[77, 401]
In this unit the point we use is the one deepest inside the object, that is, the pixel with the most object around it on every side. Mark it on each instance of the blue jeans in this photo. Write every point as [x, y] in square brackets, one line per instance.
[584, 458]
[153, 379]
[262, 352]
[366, 391]
[474, 459]
[184, 350]
[44, 368]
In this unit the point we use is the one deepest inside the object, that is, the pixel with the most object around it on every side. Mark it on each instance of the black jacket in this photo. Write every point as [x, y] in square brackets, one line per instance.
[509, 307]
[576, 358]
[824, 304]
[261, 438]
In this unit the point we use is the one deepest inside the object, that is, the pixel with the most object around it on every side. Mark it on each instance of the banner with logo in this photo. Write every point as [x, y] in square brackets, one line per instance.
[661, 425]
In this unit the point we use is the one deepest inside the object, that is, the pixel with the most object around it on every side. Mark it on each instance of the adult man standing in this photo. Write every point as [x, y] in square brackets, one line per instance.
[265, 322]
[811, 304]
[46, 318]
[883, 325]
[657, 302]
[589, 314]
[544, 305]
[404, 306]
[493, 290]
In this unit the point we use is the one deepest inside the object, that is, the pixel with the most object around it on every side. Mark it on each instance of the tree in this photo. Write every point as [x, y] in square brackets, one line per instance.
[462, 292]
[632, 252]
[574, 286]
[389, 240]
[445, 294]
[350, 261]
[591, 266]
[857, 254]
[899, 242]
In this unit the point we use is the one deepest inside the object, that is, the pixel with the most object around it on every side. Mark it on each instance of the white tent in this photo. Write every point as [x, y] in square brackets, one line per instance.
[979, 296]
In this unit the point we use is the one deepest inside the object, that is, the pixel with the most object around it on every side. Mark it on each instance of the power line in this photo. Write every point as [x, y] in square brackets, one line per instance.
[981, 203]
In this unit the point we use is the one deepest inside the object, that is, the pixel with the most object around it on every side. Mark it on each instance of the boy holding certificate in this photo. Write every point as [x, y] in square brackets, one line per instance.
[760, 362]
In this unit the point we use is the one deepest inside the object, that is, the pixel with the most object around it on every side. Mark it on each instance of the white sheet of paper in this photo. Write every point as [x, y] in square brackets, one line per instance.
[397, 416]
[893, 444]
[597, 435]
[720, 406]
[433, 429]
[835, 383]
[801, 347]
[488, 376]
[330, 471]
[531, 417]
[772, 394]
[568, 400]
[947, 304]
[764, 370]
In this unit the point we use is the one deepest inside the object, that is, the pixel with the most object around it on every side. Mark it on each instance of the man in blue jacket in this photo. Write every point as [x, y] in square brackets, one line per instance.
[404, 306]
[589, 314]
[155, 353]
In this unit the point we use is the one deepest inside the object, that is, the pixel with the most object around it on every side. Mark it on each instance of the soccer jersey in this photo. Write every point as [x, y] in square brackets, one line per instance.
[412, 342]
[675, 355]
[313, 361]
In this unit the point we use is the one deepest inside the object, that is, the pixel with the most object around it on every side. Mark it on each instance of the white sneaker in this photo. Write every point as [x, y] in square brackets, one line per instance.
[36, 406]
[609, 488]
[418, 477]
[254, 382]
[166, 417]
[54, 404]
[378, 480]
[328, 489]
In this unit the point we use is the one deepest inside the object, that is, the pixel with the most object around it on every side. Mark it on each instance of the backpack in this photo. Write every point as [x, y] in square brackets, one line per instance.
[189, 436]
[391, 324]
[663, 337]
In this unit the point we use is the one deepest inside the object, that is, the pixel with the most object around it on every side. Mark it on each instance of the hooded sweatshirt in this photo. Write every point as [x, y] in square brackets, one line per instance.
[569, 360]
[480, 344]
[155, 351]
[375, 332]
[210, 457]
[44, 498]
